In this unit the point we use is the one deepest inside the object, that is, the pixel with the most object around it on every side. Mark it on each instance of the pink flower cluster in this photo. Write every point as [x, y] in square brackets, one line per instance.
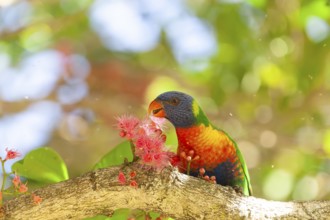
[127, 125]
[36, 199]
[16, 181]
[148, 139]
[19, 186]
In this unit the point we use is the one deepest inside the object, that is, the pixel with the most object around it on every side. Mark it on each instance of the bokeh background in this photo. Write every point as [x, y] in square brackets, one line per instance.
[260, 70]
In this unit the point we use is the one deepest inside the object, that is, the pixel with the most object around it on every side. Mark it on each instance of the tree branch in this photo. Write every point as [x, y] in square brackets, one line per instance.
[174, 194]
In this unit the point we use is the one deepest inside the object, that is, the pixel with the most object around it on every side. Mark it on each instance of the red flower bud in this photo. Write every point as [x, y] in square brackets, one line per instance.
[121, 178]
[122, 134]
[196, 158]
[132, 174]
[183, 155]
[133, 184]
[16, 181]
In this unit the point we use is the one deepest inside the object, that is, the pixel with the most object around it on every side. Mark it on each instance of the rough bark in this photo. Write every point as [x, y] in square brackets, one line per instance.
[170, 192]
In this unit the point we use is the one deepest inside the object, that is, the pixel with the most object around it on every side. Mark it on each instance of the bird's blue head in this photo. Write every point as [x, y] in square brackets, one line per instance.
[179, 108]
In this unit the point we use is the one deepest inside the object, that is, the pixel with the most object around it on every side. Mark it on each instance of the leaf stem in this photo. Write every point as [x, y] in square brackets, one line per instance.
[135, 158]
[188, 167]
[4, 174]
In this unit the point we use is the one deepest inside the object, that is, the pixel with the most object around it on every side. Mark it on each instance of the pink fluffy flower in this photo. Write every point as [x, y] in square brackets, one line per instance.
[23, 188]
[36, 199]
[148, 139]
[161, 159]
[16, 181]
[127, 124]
[149, 143]
[152, 125]
[151, 150]
[12, 154]
[146, 157]
[159, 123]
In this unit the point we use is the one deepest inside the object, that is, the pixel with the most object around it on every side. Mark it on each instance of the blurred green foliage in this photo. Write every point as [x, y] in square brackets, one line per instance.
[267, 85]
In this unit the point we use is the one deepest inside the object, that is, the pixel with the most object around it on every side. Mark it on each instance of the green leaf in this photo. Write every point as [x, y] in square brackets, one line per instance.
[98, 217]
[116, 156]
[120, 214]
[42, 165]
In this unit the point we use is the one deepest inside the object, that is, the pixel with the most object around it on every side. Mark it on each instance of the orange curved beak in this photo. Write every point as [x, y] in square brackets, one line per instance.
[156, 109]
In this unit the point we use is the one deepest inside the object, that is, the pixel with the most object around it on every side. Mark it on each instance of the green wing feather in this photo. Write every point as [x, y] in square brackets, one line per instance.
[247, 189]
[247, 183]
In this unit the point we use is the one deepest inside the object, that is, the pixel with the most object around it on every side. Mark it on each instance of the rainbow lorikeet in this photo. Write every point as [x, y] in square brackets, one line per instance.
[217, 153]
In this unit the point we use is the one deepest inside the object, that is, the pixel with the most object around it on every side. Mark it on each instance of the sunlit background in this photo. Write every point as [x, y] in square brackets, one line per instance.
[260, 70]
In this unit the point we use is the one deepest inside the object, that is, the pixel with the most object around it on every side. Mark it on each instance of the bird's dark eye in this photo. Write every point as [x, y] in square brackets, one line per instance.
[174, 101]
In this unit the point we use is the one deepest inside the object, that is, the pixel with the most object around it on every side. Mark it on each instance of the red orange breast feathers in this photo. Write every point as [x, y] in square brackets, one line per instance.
[212, 146]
